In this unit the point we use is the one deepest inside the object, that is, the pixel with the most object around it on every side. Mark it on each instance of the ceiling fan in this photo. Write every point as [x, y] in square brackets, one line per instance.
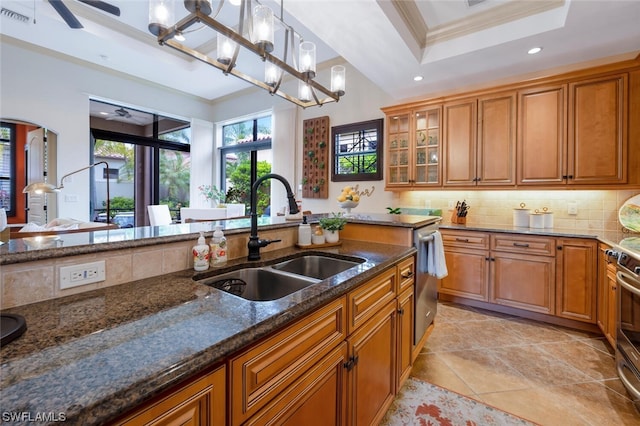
[69, 17]
[122, 113]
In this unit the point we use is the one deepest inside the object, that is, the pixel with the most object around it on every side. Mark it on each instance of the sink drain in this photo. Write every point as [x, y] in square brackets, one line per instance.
[234, 286]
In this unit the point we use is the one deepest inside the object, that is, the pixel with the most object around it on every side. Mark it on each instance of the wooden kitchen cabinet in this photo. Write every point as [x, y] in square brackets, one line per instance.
[479, 141]
[406, 319]
[467, 258]
[372, 373]
[541, 141]
[576, 281]
[597, 140]
[523, 272]
[199, 402]
[267, 370]
[574, 134]
[607, 287]
[413, 148]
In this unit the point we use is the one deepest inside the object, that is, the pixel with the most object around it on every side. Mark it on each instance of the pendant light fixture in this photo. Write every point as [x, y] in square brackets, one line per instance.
[254, 32]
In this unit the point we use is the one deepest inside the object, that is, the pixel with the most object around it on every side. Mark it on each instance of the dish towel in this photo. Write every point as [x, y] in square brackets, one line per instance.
[436, 264]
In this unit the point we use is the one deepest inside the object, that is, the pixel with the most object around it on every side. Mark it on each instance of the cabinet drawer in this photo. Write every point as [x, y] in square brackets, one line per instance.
[524, 244]
[366, 300]
[269, 368]
[406, 274]
[465, 239]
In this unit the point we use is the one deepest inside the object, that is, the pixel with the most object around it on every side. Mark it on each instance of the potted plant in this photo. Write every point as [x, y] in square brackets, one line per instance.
[331, 225]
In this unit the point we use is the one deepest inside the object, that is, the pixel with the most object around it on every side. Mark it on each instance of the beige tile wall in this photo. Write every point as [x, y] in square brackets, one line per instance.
[597, 210]
[30, 282]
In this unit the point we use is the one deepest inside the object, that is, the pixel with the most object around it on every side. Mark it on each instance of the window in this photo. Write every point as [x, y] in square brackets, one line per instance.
[7, 168]
[357, 151]
[242, 141]
[149, 165]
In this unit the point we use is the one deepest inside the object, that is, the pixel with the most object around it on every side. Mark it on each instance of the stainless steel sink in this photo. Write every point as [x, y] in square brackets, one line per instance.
[259, 284]
[320, 267]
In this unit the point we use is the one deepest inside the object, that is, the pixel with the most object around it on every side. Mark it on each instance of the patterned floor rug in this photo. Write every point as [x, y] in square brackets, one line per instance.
[423, 404]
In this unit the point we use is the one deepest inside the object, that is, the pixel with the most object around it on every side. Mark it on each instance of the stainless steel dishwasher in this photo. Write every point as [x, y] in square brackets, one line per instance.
[426, 285]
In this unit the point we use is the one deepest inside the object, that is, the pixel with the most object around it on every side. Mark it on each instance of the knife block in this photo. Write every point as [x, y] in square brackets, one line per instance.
[458, 219]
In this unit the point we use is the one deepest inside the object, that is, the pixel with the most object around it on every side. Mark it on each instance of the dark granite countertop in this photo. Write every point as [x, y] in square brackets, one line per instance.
[96, 355]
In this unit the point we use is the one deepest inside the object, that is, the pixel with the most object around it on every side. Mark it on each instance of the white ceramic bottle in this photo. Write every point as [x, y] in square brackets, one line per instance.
[304, 233]
[219, 247]
[201, 254]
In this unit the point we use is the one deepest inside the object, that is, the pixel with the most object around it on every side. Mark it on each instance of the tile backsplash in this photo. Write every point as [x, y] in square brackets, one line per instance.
[597, 209]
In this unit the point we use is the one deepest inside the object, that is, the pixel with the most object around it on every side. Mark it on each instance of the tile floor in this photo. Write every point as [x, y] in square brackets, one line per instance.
[546, 374]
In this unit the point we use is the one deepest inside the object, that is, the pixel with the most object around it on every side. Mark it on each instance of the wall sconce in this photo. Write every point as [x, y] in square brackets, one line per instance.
[46, 188]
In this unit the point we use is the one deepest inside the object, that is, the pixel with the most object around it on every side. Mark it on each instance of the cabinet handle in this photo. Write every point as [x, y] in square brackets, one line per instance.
[521, 244]
[408, 274]
[463, 240]
[351, 362]
[559, 247]
[401, 311]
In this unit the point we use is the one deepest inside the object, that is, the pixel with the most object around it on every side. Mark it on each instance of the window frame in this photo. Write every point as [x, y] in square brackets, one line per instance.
[13, 199]
[336, 131]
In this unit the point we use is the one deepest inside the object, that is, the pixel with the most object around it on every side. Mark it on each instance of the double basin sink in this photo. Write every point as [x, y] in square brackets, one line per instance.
[276, 281]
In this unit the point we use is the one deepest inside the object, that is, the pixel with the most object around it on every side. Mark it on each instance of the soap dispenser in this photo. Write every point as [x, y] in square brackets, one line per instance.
[218, 247]
[201, 254]
[304, 233]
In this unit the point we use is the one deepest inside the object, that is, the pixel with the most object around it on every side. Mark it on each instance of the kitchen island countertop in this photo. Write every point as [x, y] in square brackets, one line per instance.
[95, 355]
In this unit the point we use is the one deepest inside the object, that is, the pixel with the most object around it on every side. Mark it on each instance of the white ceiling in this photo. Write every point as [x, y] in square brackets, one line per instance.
[448, 42]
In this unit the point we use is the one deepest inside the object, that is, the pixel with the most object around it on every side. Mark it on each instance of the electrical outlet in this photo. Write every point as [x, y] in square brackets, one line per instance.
[572, 208]
[451, 205]
[77, 275]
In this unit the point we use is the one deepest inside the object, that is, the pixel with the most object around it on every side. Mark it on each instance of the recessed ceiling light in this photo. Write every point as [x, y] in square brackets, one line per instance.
[179, 36]
[534, 50]
[418, 78]
[104, 113]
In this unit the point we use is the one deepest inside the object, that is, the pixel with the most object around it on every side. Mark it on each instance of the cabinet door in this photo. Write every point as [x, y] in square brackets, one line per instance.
[468, 274]
[459, 135]
[523, 281]
[612, 308]
[405, 335]
[496, 154]
[603, 288]
[318, 397]
[598, 131]
[398, 150]
[264, 371]
[372, 376]
[541, 141]
[201, 402]
[576, 282]
[426, 147]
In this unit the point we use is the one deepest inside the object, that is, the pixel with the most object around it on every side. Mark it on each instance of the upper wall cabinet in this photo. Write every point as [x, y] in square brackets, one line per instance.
[479, 141]
[593, 152]
[413, 148]
[542, 135]
[597, 139]
[560, 131]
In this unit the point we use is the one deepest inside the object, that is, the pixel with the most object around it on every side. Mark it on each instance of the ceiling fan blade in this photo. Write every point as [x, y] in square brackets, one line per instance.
[65, 13]
[109, 8]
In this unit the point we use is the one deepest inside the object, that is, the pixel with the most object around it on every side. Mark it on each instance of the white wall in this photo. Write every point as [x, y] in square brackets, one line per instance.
[47, 90]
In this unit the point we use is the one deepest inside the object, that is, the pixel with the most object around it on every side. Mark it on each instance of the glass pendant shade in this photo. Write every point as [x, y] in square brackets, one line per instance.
[338, 79]
[271, 74]
[304, 91]
[160, 15]
[263, 28]
[225, 50]
[308, 59]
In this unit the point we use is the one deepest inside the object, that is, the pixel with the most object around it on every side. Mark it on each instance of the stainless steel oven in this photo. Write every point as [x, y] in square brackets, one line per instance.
[628, 322]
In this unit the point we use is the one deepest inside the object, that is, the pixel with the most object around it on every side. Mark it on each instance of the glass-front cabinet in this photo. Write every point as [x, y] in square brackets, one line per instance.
[413, 154]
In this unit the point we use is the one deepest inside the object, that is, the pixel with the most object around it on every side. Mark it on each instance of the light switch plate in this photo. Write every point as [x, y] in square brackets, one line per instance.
[572, 208]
